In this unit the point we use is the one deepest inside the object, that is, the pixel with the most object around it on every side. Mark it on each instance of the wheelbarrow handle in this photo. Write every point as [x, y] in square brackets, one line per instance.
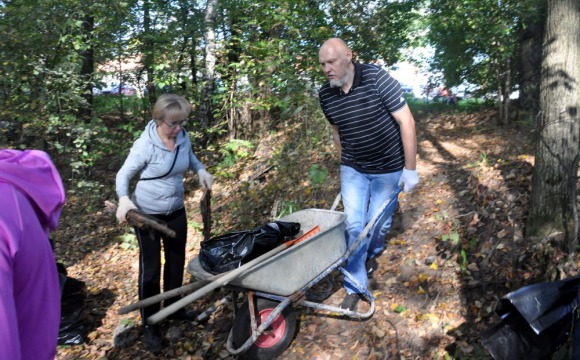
[387, 207]
[168, 294]
[225, 279]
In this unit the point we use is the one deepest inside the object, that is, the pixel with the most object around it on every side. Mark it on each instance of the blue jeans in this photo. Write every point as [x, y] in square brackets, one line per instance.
[362, 196]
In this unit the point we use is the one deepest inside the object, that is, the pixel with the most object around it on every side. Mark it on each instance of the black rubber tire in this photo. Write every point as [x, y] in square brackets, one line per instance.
[271, 343]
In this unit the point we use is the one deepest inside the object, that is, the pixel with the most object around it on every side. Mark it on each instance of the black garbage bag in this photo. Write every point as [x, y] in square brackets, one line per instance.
[513, 338]
[536, 320]
[232, 250]
[72, 329]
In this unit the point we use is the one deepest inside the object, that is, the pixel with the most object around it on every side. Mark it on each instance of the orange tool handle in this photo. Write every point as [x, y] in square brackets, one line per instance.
[306, 235]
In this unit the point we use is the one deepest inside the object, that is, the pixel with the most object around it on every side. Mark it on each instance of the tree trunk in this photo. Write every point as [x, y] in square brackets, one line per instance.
[530, 57]
[230, 77]
[205, 109]
[87, 69]
[553, 208]
[187, 50]
[148, 51]
[192, 64]
[506, 99]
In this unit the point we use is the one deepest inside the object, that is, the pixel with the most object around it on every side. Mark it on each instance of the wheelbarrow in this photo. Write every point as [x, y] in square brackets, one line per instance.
[275, 284]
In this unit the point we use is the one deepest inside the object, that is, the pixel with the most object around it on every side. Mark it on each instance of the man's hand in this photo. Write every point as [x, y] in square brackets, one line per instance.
[125, 204]
[409, 179]
[205, 179]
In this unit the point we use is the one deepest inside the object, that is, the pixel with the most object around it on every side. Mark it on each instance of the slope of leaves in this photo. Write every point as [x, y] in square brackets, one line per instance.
[456, 246]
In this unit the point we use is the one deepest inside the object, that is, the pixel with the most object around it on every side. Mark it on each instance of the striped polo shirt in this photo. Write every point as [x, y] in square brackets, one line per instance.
[370, 137]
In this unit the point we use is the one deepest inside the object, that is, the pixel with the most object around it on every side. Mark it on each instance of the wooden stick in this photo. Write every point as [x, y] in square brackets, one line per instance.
[139, 219]
[205, 207]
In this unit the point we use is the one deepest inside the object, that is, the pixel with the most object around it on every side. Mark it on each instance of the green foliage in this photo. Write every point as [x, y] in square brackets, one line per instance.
[450, 232]
[78, 142]
[128, 323]
[484, 160]
[377, 31]
[232, 152]
[477, 41]
[111, 105]
[196, 226]
[287, 207]
[129, 242]
[468, 106]
[473, 243]
[400, 309]
[272, 66]
[267, 70]
[317, 174]
[463, 264]
[452, 235]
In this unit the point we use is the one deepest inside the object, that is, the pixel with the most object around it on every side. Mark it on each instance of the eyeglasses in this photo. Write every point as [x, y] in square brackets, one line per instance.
[175, 124]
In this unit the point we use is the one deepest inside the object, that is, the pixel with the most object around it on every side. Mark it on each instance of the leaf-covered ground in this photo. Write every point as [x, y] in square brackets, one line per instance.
[456, 246]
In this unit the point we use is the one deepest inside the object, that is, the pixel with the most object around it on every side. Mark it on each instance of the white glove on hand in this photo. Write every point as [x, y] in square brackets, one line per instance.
[125, 204]
[205, 179]
[409, 179]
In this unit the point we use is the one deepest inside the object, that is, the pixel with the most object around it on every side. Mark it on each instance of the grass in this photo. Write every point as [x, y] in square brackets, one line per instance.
[462, 106]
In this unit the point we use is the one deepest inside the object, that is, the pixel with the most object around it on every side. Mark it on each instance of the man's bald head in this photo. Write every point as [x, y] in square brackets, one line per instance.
[335, 44]
[335, 58]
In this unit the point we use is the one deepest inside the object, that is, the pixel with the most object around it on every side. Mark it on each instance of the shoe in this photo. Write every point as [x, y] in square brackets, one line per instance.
[372, 265]
[350, 302]
[373, 284]
[152, 336]
[183, 314]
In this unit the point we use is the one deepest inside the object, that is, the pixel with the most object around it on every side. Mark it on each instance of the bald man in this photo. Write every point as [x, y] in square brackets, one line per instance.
[374, 134]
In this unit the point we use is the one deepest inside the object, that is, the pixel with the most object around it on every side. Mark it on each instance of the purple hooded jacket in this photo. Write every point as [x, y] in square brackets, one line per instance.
[31, 198]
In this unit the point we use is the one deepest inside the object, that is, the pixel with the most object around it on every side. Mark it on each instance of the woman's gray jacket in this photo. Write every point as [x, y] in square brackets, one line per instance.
[163, 193]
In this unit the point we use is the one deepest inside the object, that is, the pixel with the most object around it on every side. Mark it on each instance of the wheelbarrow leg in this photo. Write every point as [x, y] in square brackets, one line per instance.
[252, 308]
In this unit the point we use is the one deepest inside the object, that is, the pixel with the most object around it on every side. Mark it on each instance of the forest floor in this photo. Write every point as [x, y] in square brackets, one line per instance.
[456, 246]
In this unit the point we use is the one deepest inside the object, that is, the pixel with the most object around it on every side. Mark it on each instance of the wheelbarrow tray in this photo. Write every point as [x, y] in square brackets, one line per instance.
[287, 272]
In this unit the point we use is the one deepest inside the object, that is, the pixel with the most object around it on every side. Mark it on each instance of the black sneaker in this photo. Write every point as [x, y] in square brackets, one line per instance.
[372, 265]
[183, 314]
[152, 336]
[350, 302]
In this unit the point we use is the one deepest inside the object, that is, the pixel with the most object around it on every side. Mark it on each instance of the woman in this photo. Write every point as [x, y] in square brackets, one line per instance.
[160, 156]
[32, 199]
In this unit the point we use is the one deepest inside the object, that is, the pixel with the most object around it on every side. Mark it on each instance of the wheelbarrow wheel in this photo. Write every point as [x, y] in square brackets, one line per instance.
[274, 340]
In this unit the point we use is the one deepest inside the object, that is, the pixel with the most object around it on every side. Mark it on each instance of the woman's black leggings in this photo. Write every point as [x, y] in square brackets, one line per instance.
[150, 259]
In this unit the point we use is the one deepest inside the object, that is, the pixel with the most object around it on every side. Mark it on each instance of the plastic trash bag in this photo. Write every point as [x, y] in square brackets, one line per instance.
[232, 250]
[536, 320]
[513, 339]
[72, 329]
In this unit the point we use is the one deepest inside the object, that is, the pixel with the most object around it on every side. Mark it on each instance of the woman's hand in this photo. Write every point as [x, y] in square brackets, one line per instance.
[205, 179]
[125, 204]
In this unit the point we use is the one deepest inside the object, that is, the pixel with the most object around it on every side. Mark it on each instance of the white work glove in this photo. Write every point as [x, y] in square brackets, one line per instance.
[205, 179]
[125, 204]
[409, 179]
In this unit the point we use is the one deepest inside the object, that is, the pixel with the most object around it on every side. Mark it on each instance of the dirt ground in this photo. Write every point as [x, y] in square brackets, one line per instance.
[456, 246]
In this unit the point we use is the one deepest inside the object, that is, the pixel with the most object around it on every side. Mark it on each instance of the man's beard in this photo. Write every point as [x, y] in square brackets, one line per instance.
[336, 83]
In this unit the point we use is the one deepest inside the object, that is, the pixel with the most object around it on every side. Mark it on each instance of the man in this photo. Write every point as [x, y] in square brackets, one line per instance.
[374, 133]
[32, 197]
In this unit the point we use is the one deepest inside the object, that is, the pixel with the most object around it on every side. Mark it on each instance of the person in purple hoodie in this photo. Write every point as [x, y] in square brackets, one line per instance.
[32, 196]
